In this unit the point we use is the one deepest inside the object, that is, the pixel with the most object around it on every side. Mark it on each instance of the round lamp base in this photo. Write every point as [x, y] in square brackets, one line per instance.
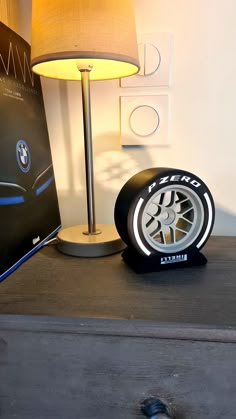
[76, 241]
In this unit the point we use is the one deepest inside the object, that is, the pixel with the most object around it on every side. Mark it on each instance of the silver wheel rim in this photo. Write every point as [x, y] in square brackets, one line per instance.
[172, 219]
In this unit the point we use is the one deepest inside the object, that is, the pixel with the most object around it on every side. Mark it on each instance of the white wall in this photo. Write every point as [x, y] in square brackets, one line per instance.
[202, 124]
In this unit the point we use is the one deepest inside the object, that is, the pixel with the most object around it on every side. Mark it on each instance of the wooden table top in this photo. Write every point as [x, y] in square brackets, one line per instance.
[54, 284]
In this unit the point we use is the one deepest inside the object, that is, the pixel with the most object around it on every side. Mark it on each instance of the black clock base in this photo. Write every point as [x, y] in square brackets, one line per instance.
[141, 264]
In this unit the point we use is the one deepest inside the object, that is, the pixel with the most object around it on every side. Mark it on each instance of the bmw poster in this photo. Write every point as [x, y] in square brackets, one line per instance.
[29, 213]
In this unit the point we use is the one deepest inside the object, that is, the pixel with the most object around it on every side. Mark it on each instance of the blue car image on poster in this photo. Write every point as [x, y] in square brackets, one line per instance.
[29, 213]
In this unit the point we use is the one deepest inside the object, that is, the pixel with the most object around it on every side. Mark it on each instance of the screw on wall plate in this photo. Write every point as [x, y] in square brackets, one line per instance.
[154, 408]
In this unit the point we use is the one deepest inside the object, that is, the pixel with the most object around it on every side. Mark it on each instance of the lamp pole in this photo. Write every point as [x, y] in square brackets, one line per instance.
[88, 240]
[88, 149]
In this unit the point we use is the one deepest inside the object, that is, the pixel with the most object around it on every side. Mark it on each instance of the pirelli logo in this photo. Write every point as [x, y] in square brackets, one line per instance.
[174, 259]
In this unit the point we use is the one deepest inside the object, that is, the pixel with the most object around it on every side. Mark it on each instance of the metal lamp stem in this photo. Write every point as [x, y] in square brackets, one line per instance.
[88, 150]
[87, 240]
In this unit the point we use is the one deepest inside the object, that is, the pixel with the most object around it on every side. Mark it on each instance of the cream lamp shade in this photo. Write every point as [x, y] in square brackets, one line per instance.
[71, 34]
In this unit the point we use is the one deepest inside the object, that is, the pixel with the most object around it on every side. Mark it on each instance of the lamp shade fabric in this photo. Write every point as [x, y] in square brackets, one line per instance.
[72, 34]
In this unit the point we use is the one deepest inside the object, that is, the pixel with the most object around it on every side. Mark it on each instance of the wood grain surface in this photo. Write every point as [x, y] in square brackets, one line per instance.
[98, 338]
[54, 368]
[51, 283]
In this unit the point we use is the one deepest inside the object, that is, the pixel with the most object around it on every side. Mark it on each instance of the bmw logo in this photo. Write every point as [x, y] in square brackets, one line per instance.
[23, 156]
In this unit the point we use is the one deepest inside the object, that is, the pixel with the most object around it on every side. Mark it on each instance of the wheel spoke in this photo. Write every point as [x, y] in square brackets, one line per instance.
[152, 219]
[182, 230]
[172, 235]
[186, 210]
[172, 199]
[157, 229]
[187, 220]
[182, 201]
[158, 207]
[163, 237]
[158, 211]
[161, 199]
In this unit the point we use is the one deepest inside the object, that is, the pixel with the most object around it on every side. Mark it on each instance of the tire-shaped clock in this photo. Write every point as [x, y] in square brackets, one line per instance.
[164, 211]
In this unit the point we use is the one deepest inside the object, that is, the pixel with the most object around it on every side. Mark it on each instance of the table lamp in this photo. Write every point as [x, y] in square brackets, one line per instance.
[85, 40]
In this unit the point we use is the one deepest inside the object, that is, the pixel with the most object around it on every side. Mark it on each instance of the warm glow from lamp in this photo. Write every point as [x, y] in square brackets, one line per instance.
[68, 69]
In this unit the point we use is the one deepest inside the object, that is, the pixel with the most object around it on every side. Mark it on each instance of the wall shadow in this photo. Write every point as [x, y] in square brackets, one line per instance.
[113, 166]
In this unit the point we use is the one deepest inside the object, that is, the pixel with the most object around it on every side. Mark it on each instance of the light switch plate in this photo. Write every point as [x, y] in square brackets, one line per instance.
[144, 120]
[155, 58]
